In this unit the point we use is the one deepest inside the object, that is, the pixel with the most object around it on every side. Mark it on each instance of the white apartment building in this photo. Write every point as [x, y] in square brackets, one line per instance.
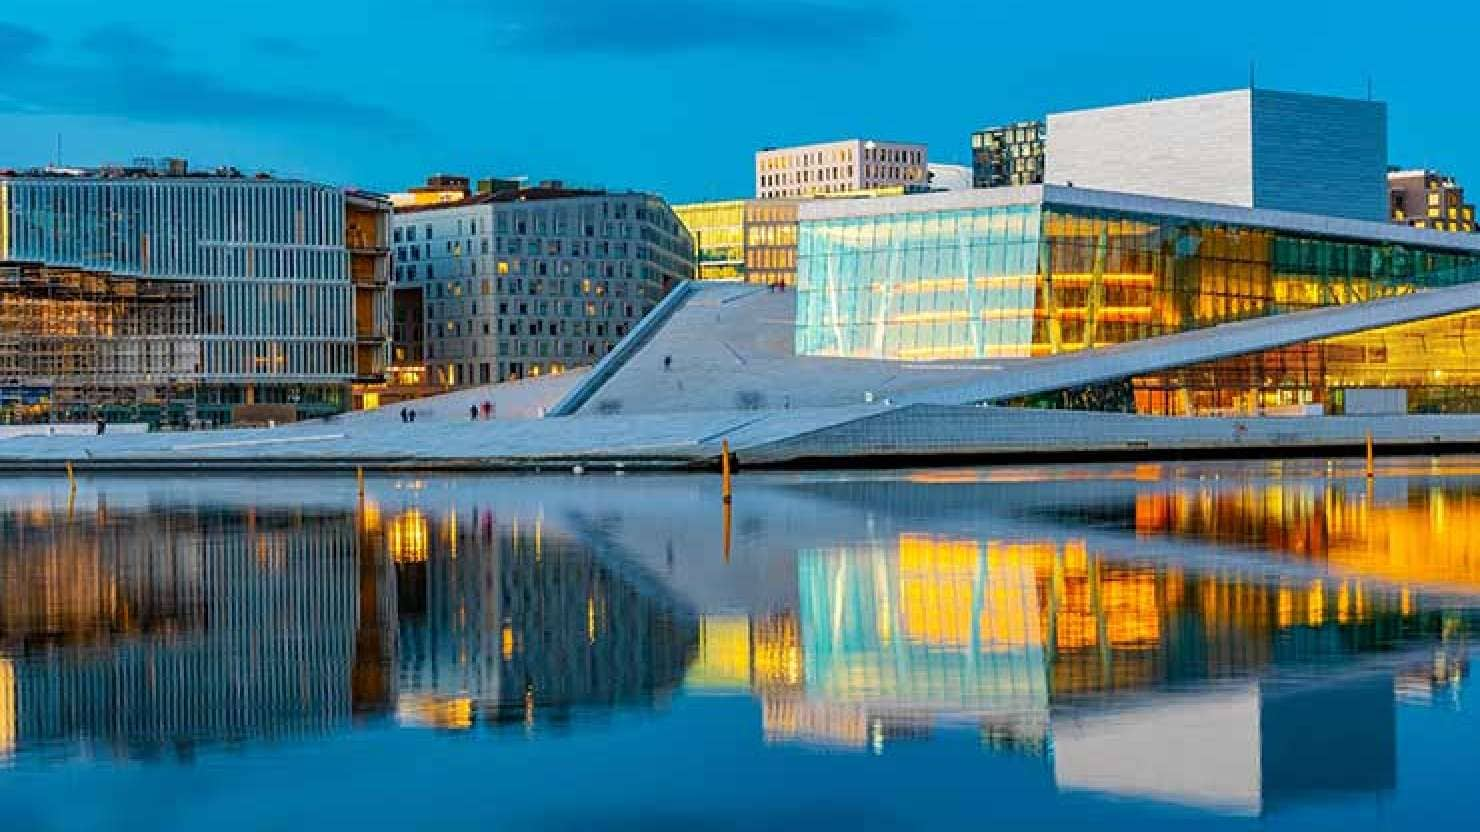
[838, 167]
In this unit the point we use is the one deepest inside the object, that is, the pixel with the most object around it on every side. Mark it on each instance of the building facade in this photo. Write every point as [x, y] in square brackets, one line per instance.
[838, 167]
[155, 294]
[1012, 154]
[1429, 199]
[525, 282]
[1020, 273]
[754, 240]
[1251, 147]
[367, 236]
[718, 229]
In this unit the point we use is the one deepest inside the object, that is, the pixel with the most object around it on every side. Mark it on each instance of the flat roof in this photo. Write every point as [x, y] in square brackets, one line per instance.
[1290, 221]
[1238, 92]
[787, 148]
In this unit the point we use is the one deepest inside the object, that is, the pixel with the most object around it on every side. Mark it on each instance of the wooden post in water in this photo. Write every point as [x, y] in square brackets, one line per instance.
[71, 479]
[725, 469]
[360, 479]
[1371, 469]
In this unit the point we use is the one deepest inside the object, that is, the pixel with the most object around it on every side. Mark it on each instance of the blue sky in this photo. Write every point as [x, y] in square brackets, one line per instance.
[671, 95]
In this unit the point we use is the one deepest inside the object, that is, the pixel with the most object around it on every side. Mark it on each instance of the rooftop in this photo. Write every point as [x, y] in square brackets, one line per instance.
[141, 168]
[1290, 221]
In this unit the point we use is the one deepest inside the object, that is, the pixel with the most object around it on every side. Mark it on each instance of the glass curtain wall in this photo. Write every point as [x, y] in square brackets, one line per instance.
[1019, 281]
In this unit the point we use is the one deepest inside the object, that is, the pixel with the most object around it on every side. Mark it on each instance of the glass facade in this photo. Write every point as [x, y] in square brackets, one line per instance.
[265, 262]
[1025, 280]
[754, 240]
[1433, 361]
[1009, 155]
[718, 229]
[771, 241]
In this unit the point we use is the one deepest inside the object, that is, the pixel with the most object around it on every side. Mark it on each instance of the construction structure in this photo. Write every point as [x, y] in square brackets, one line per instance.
[72, 339]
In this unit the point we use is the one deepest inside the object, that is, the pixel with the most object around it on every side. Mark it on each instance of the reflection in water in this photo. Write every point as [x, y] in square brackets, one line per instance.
[1409, 533]
[1122, 672]
[140, 631]
[1084, 644]
[502, 622]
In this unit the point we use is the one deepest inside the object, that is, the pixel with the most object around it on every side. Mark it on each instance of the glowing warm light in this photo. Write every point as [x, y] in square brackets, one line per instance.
[408, 537]
[7, 709]
[724, 660]
[454, 713]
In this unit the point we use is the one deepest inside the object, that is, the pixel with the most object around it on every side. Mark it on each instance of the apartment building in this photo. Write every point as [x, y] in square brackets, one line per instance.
[839, 167]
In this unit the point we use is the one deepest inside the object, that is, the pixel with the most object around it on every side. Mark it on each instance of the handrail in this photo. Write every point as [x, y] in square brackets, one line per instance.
[629, 346]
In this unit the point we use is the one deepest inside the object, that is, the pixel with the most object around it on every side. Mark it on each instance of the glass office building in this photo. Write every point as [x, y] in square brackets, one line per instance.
[1017, 273]
[718, 229]
[754, 240]
[148, 291]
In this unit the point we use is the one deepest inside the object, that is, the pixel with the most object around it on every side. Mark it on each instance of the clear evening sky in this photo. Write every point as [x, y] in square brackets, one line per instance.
[674, 95]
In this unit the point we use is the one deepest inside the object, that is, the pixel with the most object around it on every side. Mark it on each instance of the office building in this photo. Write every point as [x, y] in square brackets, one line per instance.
[525, 281]
[1009, 155]
[754, 240]
[1429, 199]
[1036, 271]
[838, 167]
[1251, 147]
[154, 293]
[718, 229]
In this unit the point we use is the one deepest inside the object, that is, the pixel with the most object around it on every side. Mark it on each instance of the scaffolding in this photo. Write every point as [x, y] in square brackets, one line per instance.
[75, 343]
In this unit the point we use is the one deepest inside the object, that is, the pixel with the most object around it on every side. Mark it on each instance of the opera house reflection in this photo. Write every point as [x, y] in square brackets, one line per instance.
[1220, 687]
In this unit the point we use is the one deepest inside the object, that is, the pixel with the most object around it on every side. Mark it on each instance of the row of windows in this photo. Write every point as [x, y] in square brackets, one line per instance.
[299, 359]
[278, 310]
[210, 229]
[589, 309]
[453, 375]
[441, 333]
[571, 217]
[581, 352]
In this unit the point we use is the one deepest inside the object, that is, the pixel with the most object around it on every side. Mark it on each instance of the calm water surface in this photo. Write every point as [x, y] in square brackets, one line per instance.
[1229, 645]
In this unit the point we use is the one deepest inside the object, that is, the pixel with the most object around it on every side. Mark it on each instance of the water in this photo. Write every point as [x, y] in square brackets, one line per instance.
[1231, 645]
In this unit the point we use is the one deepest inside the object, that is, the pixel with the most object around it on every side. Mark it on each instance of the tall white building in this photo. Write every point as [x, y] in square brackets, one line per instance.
[838, 167]
[1255, 148]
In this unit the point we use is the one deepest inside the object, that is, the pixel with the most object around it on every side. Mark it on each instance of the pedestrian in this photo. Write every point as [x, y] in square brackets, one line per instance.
[403, 416]
[667, 363]
[473, 412]
[487, 410]
[102, 424]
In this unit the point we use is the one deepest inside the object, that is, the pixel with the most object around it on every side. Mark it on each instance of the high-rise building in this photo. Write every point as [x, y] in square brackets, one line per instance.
[1429, 199]
[1250, 147]
[838, 167]
[524, 281]
[153, 293]
[1009, 155]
